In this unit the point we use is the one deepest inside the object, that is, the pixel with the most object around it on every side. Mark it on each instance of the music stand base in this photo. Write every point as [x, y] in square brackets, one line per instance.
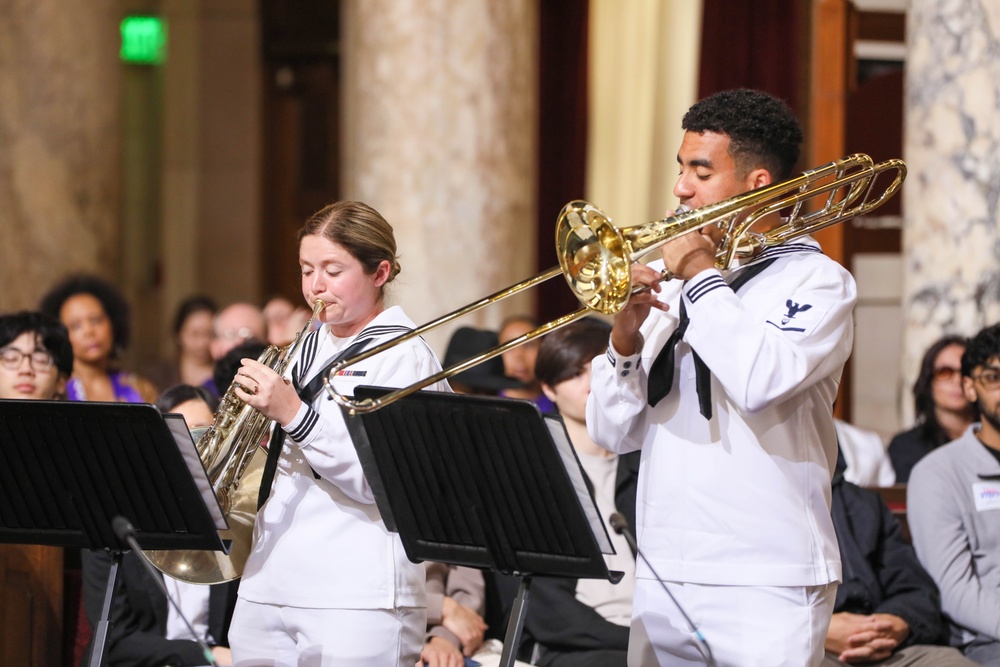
[515, 624]
[99, 644]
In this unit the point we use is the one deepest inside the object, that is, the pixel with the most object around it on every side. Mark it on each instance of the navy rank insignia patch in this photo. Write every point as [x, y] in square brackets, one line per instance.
[787, 317]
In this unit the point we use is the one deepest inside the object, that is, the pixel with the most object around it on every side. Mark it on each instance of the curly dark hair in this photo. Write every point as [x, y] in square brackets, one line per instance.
[762, 130]
[564, 352]
[982, 347]
[50, 332]
[923, 391]
[112, 300]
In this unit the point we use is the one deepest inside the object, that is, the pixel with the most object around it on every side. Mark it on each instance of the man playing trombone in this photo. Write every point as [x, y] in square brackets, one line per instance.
[725, 380]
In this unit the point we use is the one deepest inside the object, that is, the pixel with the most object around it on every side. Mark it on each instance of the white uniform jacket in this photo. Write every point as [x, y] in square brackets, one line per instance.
[319, 541]
[953, 508]
[742, 498]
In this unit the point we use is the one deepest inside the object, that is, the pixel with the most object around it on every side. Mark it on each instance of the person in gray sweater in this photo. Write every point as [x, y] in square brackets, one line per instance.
[953, 508]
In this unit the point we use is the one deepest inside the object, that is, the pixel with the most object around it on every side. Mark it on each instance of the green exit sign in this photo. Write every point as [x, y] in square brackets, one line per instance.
[144, 40]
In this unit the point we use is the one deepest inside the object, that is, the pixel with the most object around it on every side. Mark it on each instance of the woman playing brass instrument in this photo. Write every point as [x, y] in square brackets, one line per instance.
[325, 582]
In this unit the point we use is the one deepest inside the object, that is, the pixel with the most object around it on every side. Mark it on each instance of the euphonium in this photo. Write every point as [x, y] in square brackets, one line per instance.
[230, 449]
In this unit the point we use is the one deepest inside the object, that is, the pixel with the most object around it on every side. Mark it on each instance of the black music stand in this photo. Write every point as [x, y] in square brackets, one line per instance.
[482, 482]
[67, 470]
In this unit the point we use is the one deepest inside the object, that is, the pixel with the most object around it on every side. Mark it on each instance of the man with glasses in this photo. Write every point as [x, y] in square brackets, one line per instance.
[36, 357]
[953, 508]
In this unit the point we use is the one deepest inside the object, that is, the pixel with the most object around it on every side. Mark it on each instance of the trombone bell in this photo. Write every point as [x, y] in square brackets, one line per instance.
[594, 257]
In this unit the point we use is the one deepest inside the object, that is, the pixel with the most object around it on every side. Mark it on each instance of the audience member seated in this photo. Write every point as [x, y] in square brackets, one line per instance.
[584, 622]
[234, 325]
[146, 630]
[192, 335]
[953, 506]
[36, 357]
[867, 461]
[283, 320]
[887, 610]
[456, 602]
[97, 317]
[485, 379]
[519, 363]
[941, 411]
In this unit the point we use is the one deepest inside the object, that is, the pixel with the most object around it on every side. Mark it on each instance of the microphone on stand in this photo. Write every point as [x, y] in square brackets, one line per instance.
[124, 531]
[620, 525]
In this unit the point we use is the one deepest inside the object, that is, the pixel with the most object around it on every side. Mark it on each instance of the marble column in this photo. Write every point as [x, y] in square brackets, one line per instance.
[951, 234]
[59, 144]
[440, 123]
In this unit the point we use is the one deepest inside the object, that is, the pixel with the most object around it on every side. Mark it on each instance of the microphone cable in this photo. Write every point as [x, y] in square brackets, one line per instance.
[620, 525]
[124, 531]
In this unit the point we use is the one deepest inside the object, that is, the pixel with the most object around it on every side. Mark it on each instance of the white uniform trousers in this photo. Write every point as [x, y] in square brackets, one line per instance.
[265, 635]
[744, 626]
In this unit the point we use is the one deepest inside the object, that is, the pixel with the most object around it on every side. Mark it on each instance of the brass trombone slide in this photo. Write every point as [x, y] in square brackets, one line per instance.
[595, 257]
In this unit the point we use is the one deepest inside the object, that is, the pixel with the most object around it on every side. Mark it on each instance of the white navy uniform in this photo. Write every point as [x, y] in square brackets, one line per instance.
[319, 541]
[741, 499]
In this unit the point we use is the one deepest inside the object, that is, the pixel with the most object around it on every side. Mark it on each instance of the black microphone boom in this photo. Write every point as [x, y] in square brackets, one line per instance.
[620, 525]
[125, 532]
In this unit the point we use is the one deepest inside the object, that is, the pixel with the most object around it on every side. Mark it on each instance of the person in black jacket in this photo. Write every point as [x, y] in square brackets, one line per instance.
[577, 622]
[888, 609]
[138, 636]
[145, 631]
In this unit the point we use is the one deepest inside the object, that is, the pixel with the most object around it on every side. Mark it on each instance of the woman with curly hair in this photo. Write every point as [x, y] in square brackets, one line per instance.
[97, 317]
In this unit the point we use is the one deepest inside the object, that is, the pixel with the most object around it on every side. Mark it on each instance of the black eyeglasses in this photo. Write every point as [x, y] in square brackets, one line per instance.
[11, 357]
[989, 379]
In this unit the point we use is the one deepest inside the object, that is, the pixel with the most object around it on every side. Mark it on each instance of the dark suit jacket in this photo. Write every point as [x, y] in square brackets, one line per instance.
[139, 615]
[881, 573]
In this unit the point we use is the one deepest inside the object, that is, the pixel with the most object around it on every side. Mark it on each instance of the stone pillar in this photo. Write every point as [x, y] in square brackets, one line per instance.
[59, 144]
[951, 233]
[440, 109]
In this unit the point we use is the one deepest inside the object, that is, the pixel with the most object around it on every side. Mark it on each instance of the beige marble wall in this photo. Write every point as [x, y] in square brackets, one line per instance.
[951, 234]
[59, 144]
[440, 107]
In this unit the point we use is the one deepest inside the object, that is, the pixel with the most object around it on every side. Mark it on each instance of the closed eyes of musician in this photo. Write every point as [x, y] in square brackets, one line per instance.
[725, 381]
[326, 582]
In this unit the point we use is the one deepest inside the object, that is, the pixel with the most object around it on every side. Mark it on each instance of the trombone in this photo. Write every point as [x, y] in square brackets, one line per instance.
[595, 257]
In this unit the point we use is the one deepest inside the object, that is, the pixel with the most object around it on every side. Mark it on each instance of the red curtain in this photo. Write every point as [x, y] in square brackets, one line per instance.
[757, 45]
[562, 129]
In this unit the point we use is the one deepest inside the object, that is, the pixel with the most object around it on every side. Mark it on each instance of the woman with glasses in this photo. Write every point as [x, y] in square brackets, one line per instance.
[96, 315]
[941, 409]
[36, 357]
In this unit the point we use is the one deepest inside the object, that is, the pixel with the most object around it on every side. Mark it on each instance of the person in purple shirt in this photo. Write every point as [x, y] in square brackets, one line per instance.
[97, 317]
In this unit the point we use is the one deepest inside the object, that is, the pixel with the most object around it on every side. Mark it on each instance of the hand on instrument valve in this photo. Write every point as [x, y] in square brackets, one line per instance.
[689, 254]
[625, 332]
[261, 388]
[865, 638]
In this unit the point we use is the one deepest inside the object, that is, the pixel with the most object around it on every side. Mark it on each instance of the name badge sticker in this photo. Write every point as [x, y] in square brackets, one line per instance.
[987, 495]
